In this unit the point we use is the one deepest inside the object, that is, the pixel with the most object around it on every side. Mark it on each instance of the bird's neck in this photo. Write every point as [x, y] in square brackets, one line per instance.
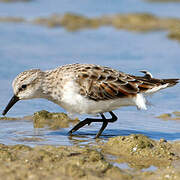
[50, 86]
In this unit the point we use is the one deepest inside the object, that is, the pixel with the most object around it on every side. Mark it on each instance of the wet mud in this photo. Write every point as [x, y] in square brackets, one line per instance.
[122, 157]
[23, 162]
[93, 162]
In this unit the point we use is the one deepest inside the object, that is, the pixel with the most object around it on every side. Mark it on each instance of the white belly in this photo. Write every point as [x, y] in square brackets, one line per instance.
[75, 103]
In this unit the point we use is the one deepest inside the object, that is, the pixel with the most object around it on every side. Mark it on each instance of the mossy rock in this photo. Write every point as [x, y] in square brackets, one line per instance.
[52, 120]
[140, 151]
[51, 162]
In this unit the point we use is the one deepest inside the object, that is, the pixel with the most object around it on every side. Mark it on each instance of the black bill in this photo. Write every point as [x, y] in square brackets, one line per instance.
[13, 100]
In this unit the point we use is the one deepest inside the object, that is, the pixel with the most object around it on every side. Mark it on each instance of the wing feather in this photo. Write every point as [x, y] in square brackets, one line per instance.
[103, 83]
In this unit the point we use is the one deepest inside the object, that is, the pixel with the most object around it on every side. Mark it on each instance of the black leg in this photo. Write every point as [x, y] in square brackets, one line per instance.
[105, 123]
[89, 121]
[114, 117]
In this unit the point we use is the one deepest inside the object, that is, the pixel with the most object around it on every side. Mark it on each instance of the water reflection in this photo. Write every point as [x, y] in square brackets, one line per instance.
[23, 132]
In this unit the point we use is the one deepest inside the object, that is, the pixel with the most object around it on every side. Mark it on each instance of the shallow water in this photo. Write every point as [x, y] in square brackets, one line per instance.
[89, 7]
[24, 46]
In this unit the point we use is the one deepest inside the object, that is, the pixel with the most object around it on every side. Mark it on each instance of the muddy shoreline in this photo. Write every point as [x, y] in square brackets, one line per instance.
[93, 162]
[123, 157]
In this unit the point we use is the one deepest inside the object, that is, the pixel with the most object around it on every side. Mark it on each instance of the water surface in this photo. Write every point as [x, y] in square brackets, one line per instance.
[89, 7]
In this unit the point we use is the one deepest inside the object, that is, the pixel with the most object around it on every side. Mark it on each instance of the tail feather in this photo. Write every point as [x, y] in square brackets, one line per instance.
[152, 85]
[170, 82]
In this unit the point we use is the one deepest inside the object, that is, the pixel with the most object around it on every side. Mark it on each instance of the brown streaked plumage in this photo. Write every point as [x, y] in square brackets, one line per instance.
[87, 89]
[102, 83]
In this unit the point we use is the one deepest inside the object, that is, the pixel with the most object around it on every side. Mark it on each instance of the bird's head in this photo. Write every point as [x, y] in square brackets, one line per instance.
[26, 85]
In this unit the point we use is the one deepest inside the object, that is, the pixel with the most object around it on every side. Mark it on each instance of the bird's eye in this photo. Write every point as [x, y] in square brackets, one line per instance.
[22, 87]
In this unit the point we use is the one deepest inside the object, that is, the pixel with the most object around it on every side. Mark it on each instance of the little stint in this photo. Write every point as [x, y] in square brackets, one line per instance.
[87, 89]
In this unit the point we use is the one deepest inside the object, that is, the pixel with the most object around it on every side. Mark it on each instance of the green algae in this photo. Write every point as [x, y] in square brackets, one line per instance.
[52, 120]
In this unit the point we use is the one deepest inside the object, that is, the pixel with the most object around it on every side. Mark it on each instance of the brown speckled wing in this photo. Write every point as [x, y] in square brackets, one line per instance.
[103, 83]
